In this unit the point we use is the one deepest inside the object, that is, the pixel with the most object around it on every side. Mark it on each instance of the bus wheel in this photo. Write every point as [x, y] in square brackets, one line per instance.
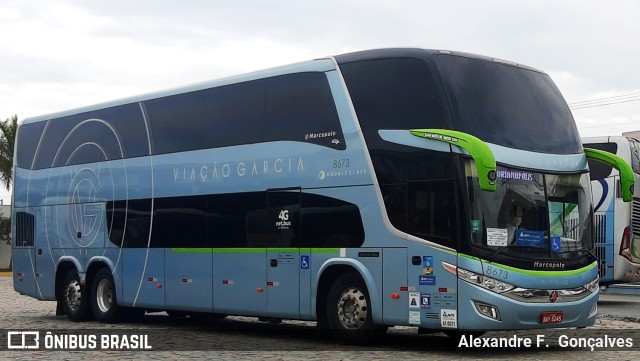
[349, 315]
[104, 301]
[74, 297]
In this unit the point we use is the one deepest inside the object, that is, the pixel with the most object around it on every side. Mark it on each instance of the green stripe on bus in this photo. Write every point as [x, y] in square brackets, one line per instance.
[558, 273]
[192, 250]
[254, 250]
[548, 273]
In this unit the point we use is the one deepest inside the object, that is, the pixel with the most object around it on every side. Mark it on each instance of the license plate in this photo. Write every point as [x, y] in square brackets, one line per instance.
[551, 317]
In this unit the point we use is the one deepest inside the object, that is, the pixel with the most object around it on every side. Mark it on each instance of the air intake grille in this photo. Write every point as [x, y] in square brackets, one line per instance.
[601, 228]
[635, 217]
[601, 255]
[25, 229]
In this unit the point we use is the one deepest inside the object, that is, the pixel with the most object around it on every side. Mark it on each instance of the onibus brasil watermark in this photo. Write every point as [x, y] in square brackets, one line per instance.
[37, 340]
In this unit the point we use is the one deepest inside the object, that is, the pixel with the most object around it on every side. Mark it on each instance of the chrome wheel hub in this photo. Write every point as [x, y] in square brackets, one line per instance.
[104, 296]
[352, 309]
[73, 295]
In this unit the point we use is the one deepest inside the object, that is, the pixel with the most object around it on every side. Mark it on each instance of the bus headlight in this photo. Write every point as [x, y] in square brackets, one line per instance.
[485, 282]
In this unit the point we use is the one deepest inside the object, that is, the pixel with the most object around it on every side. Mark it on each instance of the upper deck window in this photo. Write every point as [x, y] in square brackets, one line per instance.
[294, 107]
[512, 106]
[100, 135]
[508, 105]
[398, 93]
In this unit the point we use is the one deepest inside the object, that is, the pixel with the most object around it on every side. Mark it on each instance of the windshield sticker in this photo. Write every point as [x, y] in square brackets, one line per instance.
[528, 238]
[427, 265]
[425, 300]
[414, 317]
[511, 174]
[414, 299]
[449, 318]
[556, 244]
[497, 237]
[427, 280]
[475, 226]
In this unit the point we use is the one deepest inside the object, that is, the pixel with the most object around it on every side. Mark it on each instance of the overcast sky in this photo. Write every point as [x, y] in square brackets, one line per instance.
[56, 55]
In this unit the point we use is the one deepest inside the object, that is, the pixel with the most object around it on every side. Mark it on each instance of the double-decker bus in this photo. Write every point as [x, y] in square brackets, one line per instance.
[435, 189]
[617, 223]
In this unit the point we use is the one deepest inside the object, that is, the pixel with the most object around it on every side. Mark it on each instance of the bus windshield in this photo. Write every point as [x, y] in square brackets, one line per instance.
[531, 216]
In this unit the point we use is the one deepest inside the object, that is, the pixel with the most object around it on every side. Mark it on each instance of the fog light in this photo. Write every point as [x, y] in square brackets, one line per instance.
[487, 310]
[594, 310]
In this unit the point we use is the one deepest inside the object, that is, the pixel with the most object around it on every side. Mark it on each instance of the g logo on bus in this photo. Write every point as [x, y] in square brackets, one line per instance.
[553, 296]
[85, 217]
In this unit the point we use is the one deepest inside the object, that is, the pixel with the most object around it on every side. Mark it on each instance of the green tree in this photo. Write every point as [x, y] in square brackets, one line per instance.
[8, 129]
[5, 229]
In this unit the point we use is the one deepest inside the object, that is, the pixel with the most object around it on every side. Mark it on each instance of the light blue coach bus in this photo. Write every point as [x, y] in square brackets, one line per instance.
[442, 190]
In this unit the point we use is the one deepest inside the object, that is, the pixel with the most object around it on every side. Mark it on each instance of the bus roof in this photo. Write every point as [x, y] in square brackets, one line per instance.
[320, 64]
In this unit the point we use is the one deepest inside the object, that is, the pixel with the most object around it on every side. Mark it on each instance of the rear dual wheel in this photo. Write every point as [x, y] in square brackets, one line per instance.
[75, 297]
[79, 301]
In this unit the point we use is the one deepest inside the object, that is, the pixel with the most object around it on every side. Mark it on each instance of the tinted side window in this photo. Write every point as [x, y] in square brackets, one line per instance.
[300, 108]
[424, 209]
[297, 107]
[394, 94]
[600, 170]
[236, 219]
[27, 140]
[330, 222]
[180, 222]
[210, 118]
[432, 211]
[219, 220]
[396, 203]
[396, 163]
[129, 222]
[105, 134]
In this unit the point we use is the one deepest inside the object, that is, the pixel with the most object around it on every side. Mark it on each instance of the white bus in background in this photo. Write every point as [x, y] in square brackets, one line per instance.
[617, 223]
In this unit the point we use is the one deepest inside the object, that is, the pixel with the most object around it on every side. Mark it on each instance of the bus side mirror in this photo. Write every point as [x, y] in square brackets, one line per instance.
[626, 173]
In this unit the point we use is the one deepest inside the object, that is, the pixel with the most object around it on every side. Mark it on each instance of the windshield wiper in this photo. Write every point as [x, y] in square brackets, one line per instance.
[590, 253]
[491, 257]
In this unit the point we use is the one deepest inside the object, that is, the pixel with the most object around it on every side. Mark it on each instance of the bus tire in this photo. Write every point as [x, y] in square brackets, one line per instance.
[75, 298]
[349, 314]
[104, 301]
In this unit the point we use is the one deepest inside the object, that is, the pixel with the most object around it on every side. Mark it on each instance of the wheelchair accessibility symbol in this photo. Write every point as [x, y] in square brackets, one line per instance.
[304, 262]
[556, 245]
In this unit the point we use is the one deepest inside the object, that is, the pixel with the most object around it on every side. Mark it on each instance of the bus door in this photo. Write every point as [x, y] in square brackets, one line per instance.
[283, 252]
[433, 216]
